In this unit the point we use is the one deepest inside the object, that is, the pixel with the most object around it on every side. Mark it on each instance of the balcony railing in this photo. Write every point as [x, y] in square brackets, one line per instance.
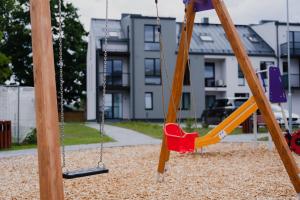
[294, 49]
[115, 46]
[295, 81]
[115, 81]
[211, 82]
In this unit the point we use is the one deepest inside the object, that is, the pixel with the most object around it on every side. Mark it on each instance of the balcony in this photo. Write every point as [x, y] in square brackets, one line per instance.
[115, 81]
[115, 46]
[214, 85]
[294, 49]
[295, 81]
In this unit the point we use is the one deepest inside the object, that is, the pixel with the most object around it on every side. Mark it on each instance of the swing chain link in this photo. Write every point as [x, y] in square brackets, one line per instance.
[61, 85]
[100, 162]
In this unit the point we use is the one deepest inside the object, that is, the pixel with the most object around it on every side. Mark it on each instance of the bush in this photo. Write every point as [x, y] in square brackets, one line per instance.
[31, 137]
[189, 125]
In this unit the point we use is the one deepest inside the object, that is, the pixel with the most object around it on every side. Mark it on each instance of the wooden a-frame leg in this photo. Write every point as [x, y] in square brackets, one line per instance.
[50, 172]
[258, 93]
[178, 80]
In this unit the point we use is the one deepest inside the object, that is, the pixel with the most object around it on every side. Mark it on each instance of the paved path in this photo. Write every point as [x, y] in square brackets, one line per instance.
[122, 137]
[125, 137]
[243, 137]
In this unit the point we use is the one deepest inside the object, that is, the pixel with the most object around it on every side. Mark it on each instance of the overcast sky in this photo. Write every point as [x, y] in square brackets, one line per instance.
[242, 11]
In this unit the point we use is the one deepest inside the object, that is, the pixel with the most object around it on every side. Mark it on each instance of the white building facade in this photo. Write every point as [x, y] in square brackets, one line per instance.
[275, 34]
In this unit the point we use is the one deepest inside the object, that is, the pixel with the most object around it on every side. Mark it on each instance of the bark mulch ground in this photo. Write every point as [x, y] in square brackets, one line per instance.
[226, 171]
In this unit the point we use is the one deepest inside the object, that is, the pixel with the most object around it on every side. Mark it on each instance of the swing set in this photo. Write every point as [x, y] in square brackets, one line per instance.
[49, 159]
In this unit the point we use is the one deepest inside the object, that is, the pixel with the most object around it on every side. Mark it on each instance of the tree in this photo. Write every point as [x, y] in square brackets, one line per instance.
[18, 46]
[5, 71]
[74, 51]
[17, 41]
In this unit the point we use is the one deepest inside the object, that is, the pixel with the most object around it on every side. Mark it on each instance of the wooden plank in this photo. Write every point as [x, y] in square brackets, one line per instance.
[258, 93]
[50, 172]
[181, 61]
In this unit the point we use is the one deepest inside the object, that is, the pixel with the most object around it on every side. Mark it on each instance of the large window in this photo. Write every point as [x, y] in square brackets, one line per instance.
[186, 101]
[241, 77]
[152, 71]
[209, 74]
[148, 101]
[151, 35]
[114, 72]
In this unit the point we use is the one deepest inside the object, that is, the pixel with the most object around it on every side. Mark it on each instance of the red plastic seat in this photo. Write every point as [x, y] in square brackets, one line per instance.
[178, 140]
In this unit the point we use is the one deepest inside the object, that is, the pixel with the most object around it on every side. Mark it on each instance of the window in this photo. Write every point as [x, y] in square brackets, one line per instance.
[264, 67]
[114, 72]
[152, 71]
[241, 95]
[209, 74]
[187, 80]
[253, 38]
[148, 101]
[206, 38]
[151, 39]
[285, 68]
[210, 101]
[241, 78]
[186, 101]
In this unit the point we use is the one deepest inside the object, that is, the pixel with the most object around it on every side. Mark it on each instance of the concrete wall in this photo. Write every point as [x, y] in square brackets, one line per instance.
[90, 76]
[18, 106]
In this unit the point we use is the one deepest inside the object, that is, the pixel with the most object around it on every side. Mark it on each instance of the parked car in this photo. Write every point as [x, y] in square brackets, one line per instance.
[221, 109]
[278, 115]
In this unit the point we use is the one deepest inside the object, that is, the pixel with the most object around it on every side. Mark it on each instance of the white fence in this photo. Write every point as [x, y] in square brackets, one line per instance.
[17, 105]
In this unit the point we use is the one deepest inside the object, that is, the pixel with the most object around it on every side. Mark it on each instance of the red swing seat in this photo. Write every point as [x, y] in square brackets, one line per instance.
[178, 140]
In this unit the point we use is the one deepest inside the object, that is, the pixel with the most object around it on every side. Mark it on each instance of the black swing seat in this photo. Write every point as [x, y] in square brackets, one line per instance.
[84, 172]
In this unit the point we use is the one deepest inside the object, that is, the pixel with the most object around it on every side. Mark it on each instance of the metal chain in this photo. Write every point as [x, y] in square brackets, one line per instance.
[61, 84]
[164, 65]
[193, 104]
[104, 89]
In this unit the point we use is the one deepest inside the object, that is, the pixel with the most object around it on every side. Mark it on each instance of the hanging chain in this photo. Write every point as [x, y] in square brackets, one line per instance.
[164, 65]
[100, 162]
[193, 104]
[61, 85]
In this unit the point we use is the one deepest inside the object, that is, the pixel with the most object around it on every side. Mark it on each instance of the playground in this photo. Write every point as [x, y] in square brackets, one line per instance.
[185, 165]
[226, 171]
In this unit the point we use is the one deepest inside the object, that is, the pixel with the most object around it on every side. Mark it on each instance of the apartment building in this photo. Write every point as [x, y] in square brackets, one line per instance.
[134, 86]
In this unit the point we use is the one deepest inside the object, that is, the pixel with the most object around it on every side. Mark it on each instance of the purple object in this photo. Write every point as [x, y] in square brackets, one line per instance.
[277, 92]
[201, 5]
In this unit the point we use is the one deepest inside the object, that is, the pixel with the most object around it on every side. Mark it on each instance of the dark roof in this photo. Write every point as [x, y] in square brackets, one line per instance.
[220, 45]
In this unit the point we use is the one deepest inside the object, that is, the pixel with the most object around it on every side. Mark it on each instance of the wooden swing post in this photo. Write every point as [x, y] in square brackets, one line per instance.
[49, 161]
[181, 61]
[258, 93]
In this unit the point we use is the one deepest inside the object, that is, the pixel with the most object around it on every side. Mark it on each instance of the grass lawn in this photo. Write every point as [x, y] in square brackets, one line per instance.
[155, 130]
[75, 133]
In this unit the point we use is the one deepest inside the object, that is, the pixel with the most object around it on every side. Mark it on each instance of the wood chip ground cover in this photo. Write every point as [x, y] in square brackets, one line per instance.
[225, 171]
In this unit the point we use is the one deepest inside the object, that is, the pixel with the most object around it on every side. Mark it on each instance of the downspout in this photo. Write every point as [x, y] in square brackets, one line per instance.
[133, 69]
[277, 43]
[97, 84]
